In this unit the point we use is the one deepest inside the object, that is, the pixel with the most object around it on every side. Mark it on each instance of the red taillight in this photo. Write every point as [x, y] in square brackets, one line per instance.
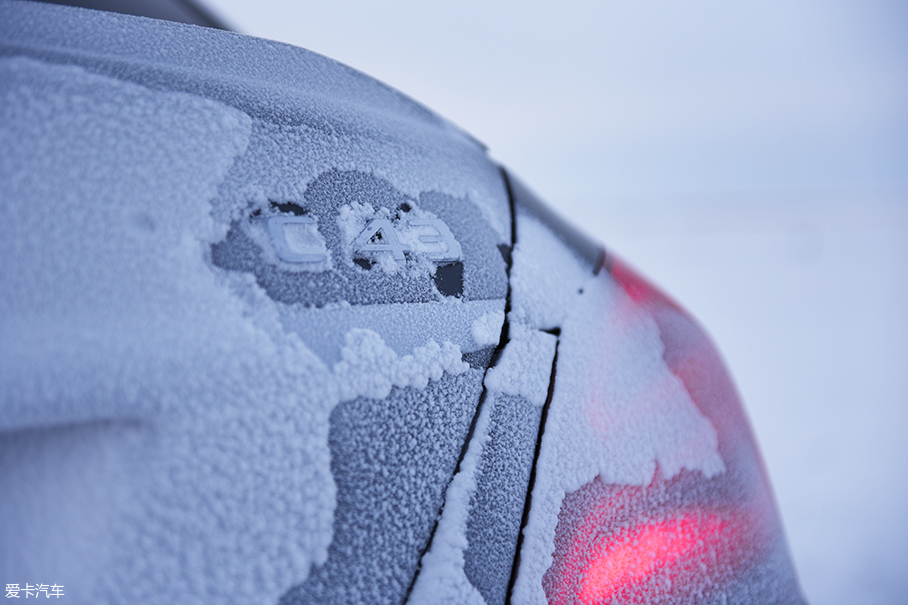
[654, 555]
[654, 544]
[688, 537]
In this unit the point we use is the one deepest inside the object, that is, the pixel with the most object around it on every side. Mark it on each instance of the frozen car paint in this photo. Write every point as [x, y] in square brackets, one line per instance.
[272, 332]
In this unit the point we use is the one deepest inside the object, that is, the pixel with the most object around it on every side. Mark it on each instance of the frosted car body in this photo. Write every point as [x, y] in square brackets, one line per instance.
[270, 331]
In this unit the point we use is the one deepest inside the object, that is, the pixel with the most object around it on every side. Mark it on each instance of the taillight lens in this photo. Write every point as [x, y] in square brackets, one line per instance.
[692, 534]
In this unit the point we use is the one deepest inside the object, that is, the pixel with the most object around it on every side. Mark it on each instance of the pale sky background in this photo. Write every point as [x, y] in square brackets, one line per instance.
[750, 157]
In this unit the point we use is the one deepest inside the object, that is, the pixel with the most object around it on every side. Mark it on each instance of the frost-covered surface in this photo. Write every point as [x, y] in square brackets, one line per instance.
[648, 487]
[372, 232]
[618, 413]
[694, 536]
[480, 528]
[391, 459]
[525, 365]
[402, 327]
[105, 189]
[546, 275]
[323, 137]
[487, 329]
[442, 579]
[341, 119]
[156, 368]
[517, 388]
[497, 503]
[291, 244]
[163, 436]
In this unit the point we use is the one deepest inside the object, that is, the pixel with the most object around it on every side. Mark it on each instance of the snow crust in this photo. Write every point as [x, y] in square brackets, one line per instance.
[617, 411]
[487, 329]
[402, 326]
[523, 369]
[525, 365]
[545, 277]
[185, 424]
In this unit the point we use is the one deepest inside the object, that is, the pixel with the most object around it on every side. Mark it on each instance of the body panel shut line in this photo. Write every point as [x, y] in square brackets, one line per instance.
[529, 497]
[496, 355]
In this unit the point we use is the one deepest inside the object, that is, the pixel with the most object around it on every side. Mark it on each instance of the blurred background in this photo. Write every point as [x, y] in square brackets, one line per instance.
[752, 159]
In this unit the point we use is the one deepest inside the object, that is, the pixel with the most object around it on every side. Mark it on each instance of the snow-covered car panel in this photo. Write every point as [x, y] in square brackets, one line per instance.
[648, 487]
[282, 334]
[228, 427]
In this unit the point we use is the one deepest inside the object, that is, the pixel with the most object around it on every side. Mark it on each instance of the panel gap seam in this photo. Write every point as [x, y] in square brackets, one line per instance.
[527, 505]
[503, 340]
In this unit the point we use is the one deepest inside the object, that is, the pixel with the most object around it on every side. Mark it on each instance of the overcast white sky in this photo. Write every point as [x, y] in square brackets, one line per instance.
[752, 158]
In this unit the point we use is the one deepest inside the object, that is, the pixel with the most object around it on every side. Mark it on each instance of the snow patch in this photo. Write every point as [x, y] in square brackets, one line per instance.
[442, 579]
[525, 365]
[352, 219]
[487, 329]
[618, 413]
[369, 368]
[188, 425]
[546, 275]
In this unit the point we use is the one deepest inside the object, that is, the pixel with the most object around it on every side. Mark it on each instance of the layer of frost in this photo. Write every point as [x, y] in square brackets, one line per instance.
[525, 365]
[163, 436]
[330, 115]
[442, 579]
[618, 412]
[546, 275]
[282, 240]
[524, 368]
[402, 326]
[486, 330]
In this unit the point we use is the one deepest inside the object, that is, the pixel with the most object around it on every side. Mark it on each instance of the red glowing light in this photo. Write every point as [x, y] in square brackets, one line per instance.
[641, 291]
[621, 545]
[681, 539]
[661, 551]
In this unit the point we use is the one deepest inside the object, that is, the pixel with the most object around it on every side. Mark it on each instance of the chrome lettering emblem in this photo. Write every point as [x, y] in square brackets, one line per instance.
[449, 251]
[380, 236]
[429, 237]
[296, 239]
